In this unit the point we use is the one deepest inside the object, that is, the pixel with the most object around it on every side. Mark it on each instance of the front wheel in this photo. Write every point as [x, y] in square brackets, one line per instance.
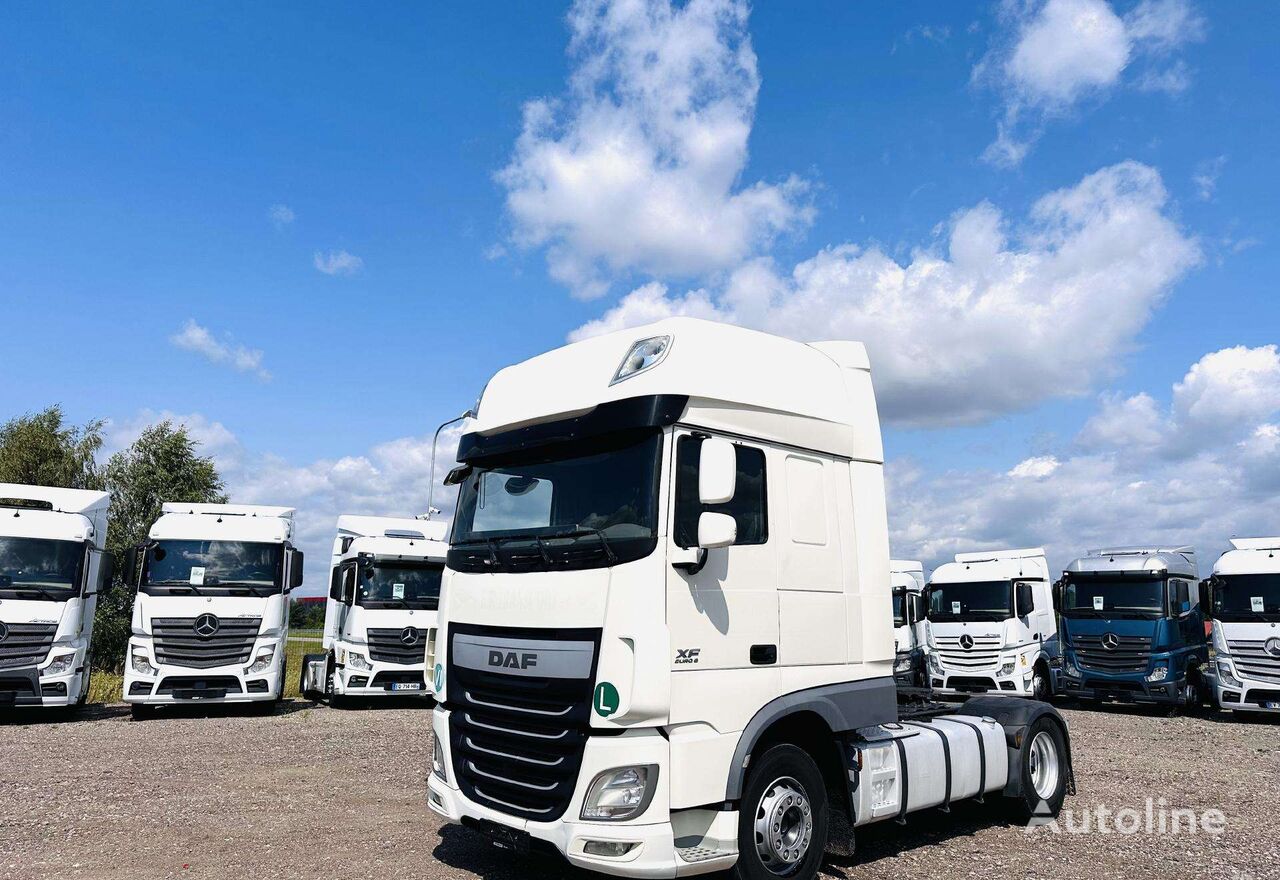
[783, 817]
[1040, 689]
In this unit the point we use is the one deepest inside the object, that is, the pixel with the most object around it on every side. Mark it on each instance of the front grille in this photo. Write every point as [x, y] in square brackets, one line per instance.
[388, 646]
[1132, 654]
[517, 740]
[178, 643]
[26, 644]
[1258, 695]
[1253, 661]
[985, 653]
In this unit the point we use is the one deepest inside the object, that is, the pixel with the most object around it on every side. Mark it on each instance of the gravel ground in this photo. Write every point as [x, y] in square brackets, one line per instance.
[316, 792]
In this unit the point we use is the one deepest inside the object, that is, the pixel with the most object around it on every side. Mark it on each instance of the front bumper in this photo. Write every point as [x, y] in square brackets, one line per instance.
[654, 834]
[1249, 695]
[182, 685]
[965, 684]
[351, 682]
[1121, 690]
[30, 687]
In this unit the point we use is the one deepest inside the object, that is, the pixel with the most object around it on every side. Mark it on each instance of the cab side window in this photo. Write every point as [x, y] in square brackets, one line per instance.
[335, 585]
[1181, 591]
[749, 507]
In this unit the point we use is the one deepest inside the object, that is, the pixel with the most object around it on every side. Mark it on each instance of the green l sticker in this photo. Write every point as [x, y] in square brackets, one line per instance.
[606, 699]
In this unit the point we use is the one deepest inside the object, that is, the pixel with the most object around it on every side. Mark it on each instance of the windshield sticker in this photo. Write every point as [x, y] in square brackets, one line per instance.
[1257, 603]
[1097, 602]
[197, 575]
[955, 607]
[397, 591]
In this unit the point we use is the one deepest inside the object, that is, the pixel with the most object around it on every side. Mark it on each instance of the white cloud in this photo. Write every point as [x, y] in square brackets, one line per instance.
[1202, 468]
[194, 337]
[995, 318]
[280, 216]
[1206, 177]
[337, 262]
[637, 167]
[1052, 56]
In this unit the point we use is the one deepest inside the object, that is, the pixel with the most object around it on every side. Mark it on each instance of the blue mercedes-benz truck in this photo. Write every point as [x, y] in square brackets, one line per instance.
[1133, 627]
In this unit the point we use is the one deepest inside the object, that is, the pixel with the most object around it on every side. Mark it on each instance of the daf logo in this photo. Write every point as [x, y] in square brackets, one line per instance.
[1272, 646]
[4, 631]
[206, 626]
[409, 636]
[512, 660]
[1110, 641]
[966, 642]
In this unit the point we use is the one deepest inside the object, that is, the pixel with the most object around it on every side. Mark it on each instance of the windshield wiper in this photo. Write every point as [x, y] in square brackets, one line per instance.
[1082, 612]
[41, 590]
[585, 531]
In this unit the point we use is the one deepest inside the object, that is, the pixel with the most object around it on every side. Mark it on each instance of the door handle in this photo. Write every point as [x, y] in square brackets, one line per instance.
[764, 655]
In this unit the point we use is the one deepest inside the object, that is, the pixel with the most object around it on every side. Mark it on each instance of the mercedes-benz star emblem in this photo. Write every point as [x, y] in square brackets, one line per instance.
[966, 642]
[206, 626]
[1110, 641]
[4, 631]
[409, 636]
[1272, 646]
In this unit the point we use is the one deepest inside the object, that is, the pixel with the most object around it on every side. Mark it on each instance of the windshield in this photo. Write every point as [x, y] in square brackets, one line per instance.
[569, 505]
[976, 600]
[1113, 597]
[40, 568]
[1240, 597]
[219, 567]
[400, 585]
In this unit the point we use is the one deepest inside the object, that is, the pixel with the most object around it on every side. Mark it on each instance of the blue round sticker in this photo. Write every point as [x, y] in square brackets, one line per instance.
[439, 677]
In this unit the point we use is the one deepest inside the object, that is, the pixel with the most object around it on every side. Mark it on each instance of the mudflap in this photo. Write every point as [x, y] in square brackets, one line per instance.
[1016, 715]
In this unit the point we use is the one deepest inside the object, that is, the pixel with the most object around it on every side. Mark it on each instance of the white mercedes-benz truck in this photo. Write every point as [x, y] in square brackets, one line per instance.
[665, 641]
[384, 589]
[1244, 603]
[910, 628]
[992, 626]
[211, 616]
[52, 565]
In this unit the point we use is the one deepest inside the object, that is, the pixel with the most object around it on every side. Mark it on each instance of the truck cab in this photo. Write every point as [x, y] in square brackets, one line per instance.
[909, 623]
[52, 566]
[665, 640]
[1244, 604]
[384, 591]
[211, 615]
[1133, 629]
[992, 626]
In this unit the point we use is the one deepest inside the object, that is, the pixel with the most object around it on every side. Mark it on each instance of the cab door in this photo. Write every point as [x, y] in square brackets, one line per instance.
[723, 616]
[341, 590]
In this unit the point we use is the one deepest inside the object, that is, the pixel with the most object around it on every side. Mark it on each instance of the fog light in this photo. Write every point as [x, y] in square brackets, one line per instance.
[610, 849]
[61, 665]
[142, 665]
[263, 662]
[1160, 673]
[621, 793]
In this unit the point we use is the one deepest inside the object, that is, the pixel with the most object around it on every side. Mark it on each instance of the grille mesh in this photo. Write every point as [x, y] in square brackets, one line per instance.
[387, 646]
[26, 644]
[1253, 661]
[178, 644]
[1132, 654]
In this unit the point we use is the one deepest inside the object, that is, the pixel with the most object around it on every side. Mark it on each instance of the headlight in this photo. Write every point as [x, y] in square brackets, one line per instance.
[1007, 669]
[1071, 670]
[1226, 676]
[437, 758]
[935, 665]
[357, 661]
[142, 665]
[61, 665]
[902, 664]
[621, 793]
[264, 661]
[1160, 673]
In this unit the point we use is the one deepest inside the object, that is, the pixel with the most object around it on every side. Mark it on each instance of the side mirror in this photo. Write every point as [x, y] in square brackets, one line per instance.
[1023, 602]
[458, 475]
[295, 569]
[716, 530]
[717, 474]
[1206, 597]
[130, 574]
[1058, 588]
[106, 571]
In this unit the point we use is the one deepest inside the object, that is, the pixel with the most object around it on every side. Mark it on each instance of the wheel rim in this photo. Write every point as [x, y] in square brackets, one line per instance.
[784, 826]
[1038, 686]
[1045, 766]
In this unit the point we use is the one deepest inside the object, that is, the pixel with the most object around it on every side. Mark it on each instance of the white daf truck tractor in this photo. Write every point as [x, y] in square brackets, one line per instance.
[992, 627]
[52, 565]
[211, 617]
[910, 628]
[1244, 603]
[665, 642]
[384, 590]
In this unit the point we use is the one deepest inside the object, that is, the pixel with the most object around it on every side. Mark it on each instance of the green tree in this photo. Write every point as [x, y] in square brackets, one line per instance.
[161, 465]
[40, 449]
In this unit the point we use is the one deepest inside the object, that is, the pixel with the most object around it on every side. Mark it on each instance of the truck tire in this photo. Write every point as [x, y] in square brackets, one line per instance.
[1041, 686]
[782, 818]
[139, 712]
[1044, 768]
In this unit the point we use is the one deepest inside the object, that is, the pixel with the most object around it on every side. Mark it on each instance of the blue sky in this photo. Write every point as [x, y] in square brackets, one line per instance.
[176, 180]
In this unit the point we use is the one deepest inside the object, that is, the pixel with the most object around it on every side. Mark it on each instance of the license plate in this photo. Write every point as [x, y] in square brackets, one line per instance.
[1271, 705]
[406, 685]
[505, 838]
